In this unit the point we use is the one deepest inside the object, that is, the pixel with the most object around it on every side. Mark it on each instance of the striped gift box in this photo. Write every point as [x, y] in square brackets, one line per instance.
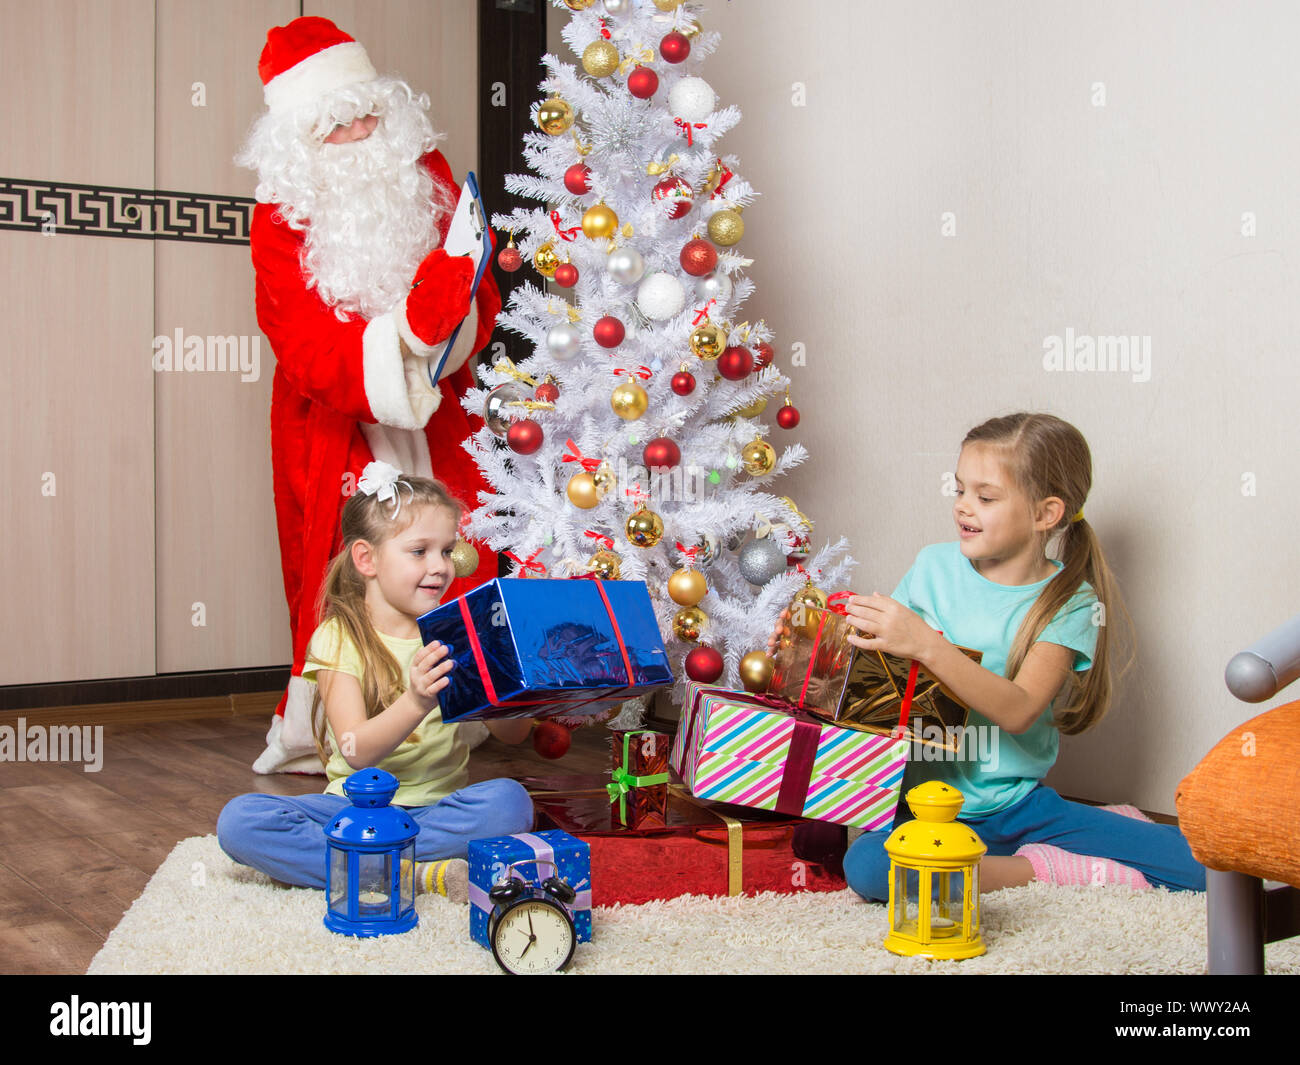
[729, 750]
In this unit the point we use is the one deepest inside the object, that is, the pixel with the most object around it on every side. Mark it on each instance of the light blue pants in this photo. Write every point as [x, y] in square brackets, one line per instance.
[1158, 852]
[283, 836]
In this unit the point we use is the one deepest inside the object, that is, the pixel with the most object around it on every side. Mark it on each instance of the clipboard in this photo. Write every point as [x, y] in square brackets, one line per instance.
[467, 235]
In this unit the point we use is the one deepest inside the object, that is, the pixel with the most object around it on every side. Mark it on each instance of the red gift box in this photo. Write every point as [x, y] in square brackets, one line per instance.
[704, 849]
[638, 792]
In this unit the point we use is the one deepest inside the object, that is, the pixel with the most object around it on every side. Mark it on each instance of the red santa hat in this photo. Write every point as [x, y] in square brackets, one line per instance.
[306, 60]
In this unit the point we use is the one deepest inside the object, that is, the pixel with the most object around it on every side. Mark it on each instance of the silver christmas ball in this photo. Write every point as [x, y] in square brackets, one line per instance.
[563, 341]
[618, 7]
[496, 412]
[707, 552]
[761, 560]
[714, 286]
[625, 265]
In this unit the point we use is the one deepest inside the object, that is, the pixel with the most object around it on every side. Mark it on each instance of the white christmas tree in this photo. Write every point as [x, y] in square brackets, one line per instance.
[635, 448]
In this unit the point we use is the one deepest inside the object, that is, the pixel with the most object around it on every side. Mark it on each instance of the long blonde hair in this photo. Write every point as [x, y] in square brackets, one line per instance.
[343, 591]
[1046, 457]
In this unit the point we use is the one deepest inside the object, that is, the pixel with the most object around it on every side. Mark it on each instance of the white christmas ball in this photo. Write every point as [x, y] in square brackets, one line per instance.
[714, 286]
[617, 7]
[625, 265]
[563, 341]
[660, 297]
[692, 99]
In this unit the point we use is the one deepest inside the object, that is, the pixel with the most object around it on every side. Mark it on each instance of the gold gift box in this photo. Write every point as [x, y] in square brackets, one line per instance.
[856, 688]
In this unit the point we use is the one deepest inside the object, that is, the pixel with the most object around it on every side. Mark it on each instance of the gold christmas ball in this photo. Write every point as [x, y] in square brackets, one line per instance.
[545, 260]
[464, 558]
[756, 671]
[692, 31]
[554, 116]
[605, 479]
[600, 59]
[606, 565]
[707, 341]
[582, 491]
[578, 5]
[754, 409]
[803, 607]
[687, 587]
[726, 227]
[668, 5]
[758, 457]
[690, 624]
[629, 401]
[644, 528]
[599, 221]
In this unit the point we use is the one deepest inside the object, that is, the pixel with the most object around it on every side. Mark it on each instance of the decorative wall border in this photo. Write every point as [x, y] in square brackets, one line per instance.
[106, 211]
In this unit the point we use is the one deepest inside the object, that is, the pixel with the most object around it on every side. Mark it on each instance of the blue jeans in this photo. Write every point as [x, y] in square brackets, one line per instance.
[1158, 852]
[283, 836]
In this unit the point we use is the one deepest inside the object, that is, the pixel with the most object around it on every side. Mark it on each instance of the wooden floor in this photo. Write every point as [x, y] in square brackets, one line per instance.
[77, 848]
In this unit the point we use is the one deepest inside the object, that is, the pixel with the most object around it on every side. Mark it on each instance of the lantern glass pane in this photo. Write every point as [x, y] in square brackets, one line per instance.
[339, 881]
[974, 899]
[900, 898]
[408, 876]
[947, 915]
[374, 885]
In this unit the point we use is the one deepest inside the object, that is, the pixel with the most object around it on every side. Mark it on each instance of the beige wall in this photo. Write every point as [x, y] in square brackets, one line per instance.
[1119, 219]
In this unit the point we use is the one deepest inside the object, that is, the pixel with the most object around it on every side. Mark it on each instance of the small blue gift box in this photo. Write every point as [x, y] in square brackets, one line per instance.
[536, 648]
[490, 858]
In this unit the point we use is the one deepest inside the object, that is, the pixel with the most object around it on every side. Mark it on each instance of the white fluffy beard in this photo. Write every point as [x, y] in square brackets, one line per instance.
[369, 209]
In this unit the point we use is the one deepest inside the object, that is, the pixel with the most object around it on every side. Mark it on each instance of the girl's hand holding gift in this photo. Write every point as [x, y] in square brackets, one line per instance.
[429, 671]
[780, 631]
[886, 625]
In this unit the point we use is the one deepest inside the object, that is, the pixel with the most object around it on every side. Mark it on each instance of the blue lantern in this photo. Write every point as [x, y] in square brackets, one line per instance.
[370, 860]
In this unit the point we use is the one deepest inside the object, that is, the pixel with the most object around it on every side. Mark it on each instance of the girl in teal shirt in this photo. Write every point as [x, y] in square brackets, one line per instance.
[1042, 626]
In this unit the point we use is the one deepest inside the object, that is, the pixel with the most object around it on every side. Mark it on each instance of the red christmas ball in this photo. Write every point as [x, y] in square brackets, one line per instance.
[788, 416]
[509, 259]
[662, 454]
[547, 392]
[551, 739]
[524, 437]
[576, 179]
[735, 363]
[608, 331]
[676, 191]
[643, 83]
[699, 257]
[763, 355]
[566, 275]
[683, 383]
[704, 665]
[675, 47]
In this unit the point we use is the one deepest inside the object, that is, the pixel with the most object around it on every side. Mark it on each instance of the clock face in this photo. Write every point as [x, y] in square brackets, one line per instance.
[533, 936]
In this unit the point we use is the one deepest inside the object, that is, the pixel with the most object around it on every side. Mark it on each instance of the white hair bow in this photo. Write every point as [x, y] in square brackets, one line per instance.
[381, 479]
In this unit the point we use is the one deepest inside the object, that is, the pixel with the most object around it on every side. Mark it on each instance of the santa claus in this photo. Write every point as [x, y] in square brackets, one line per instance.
[355, 295]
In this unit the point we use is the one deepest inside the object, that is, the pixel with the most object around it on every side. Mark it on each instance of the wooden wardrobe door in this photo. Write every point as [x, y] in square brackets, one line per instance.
[220, 597]
[76, 409]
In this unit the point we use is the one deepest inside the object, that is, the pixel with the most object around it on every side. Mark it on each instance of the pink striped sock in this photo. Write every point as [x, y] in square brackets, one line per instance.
[1129, 811]
[1054, 866]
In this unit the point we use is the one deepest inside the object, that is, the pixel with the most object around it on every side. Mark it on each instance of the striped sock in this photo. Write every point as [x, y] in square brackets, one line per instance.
[448, 877]
[1054, 866]
[1129, 811]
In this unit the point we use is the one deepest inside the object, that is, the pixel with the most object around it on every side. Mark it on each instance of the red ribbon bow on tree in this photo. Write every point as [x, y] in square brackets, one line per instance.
[643, 372]
[605, 541]
[528, 565]
[727, 175]
[686, 127]
[564, 234]
[689, 552]
[590, 465]
[702, 313]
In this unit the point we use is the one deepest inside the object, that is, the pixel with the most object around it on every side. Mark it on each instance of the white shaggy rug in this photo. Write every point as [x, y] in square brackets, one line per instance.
[202, 913]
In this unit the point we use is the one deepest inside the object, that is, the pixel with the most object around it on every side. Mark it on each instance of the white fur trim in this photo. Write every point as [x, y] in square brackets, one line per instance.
[385, 374]
[318, 75]
[417, 346]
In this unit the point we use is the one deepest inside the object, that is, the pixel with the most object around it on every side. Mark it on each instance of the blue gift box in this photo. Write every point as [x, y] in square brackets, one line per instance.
[490, 858]
[536, 648]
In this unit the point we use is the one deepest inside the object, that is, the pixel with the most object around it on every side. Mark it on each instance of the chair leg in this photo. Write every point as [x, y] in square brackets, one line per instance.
[1235, 923]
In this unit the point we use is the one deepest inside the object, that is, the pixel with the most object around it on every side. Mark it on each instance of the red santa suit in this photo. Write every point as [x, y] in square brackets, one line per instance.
[345, 393]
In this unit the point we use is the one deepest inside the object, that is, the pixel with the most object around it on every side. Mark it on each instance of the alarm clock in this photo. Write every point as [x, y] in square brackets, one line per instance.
[531, 929]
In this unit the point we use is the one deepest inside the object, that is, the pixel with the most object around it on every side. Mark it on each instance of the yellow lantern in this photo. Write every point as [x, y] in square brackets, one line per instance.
[939, 915]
